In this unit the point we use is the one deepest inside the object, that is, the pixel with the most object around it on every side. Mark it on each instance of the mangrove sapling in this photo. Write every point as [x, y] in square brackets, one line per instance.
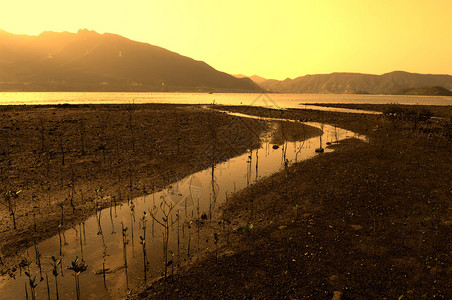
[24, 264]
[82, 137]
[84, 234]
[132, 238]
[9, 200]
[257, 164]
[198, 229]
[61, 268]
[42, 131]
[61, 205]
[124, 244]
[47, 286]
[153, 227]
[99, 227]
[189, 237]
[132, 210]
[114, 203]
[132, 132]
[34, 222]
[33, 284]
[59, 235]
[171, 262]
[228, 222]
[302, 144]
[111, 218]
[55, 263]
[394, 113]
[61, 145]
[99, 197]
[78, 267]
[81, 196]
[215, 240]
[38, 259]
[130, 177]
[143, 244]
[178, 236]
[166, 223]
[72, 191]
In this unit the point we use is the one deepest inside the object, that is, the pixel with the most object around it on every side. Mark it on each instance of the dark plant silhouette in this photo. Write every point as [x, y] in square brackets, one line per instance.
[55, 263]
[143, 244]
[394, 113]
[166, 209]
[33, 284]
[78, 267]
[8, 200]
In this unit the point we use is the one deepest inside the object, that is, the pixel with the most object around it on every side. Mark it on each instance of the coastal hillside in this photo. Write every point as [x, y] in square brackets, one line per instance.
[89, 61]
[356, 83]
[426, 91]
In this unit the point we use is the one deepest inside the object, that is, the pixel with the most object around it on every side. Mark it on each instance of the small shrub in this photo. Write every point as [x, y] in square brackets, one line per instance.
[412, 115]
[394, 113]
[416, 115]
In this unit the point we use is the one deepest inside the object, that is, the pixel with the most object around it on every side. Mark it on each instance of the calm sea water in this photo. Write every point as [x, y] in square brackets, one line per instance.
[268, 100]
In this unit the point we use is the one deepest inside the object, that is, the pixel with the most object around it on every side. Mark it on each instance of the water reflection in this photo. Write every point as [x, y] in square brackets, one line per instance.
[283, 100]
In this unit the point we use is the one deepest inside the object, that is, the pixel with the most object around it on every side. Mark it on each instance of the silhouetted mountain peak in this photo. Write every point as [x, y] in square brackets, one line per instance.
[87, 32]
[257, 79]
[90, 61]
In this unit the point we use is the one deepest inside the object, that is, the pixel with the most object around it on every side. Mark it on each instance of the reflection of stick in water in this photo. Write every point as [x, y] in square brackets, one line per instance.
[143, 243]
[59, 235]
[99, 227]
[189, 238]
[81, 240]
[302, 143]
[257, 164]
[131, 226]
[111, 219]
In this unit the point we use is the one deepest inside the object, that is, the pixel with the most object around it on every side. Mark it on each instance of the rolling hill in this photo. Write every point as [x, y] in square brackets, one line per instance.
[426, 91]
[356, 83]
[89, 61]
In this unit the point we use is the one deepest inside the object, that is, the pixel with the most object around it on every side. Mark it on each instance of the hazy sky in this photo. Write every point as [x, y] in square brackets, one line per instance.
[274, 39]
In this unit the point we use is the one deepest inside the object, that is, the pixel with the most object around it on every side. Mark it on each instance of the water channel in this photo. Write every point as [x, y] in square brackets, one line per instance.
[191, 204]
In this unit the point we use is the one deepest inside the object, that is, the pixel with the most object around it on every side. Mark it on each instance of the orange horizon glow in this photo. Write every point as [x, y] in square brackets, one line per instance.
[268, 38]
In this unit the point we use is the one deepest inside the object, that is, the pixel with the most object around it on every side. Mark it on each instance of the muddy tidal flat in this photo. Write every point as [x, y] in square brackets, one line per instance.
[370, 219]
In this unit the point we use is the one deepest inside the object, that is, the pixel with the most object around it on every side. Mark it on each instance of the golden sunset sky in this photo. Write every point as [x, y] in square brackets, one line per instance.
[273, 39]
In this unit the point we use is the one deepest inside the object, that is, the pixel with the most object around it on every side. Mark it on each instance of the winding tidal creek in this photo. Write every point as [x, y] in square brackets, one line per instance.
[129, 244]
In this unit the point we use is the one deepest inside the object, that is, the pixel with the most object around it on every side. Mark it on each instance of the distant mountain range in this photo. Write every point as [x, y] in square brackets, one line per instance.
[355, 83]
[89, 61]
